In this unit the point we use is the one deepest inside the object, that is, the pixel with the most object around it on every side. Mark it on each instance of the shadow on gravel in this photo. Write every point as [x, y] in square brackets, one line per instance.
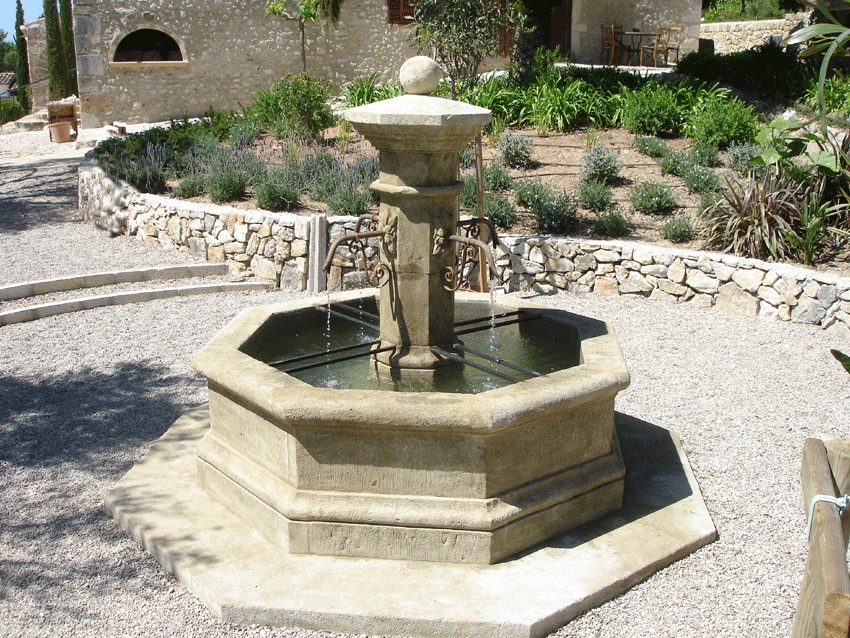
[87, 417]
[39, 193]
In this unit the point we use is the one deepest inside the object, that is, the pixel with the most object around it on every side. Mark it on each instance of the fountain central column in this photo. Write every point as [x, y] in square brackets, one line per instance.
[419, 138]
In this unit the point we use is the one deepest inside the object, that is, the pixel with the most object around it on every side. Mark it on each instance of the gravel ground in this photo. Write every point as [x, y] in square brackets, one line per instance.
[83, 395]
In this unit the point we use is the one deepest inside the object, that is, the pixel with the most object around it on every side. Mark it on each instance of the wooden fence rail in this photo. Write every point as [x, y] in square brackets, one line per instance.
[824, 607]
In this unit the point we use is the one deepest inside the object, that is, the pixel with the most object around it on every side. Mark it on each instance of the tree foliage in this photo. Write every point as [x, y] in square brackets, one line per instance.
[57, 70]
[66, 28]
[8, 58]
[22, 72]
[461, 34]
[327, 12]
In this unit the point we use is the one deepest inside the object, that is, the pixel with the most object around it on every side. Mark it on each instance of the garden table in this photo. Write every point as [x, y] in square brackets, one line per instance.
[632, 42]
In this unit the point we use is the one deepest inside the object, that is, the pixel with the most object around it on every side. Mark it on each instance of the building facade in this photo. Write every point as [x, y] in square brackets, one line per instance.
[163, 59]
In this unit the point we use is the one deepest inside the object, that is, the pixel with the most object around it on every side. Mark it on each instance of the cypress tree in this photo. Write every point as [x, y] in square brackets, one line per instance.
[66, 27]
[22, 73]
[57, 70]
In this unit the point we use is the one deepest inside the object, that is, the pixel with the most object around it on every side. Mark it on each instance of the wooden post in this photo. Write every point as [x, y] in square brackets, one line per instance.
[483, 274]
[824, 607]
[838, 453]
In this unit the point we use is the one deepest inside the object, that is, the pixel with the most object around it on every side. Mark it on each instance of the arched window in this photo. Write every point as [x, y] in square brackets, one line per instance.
[148, 45]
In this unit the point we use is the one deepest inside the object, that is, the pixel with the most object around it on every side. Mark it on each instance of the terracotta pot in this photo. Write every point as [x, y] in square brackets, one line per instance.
[60, 132]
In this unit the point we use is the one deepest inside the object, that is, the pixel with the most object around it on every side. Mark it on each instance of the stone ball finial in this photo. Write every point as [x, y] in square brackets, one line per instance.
[420, 75]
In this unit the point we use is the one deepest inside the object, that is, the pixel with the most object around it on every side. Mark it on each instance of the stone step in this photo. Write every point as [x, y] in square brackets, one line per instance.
[32, 122]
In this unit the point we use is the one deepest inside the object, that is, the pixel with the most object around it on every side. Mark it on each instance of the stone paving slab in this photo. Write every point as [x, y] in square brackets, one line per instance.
[245, 579]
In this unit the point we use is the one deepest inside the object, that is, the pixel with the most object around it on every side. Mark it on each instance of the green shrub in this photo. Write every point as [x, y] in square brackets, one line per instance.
[516, 150]
[350, 199]
[699, 179]
[227, 185]
[365, 90]
[653, 199]
[556, 214]
[769, 70]
[601, 164]
[678, 230]
[612, 223]
[722, 122]
[530, 191]
[593, 195]
[705, 154]
[497, 178]
[740, 158]
[652, 109]
[10, 111]
[144, 170]
[469, 194]
[191, 186]
[499, 210]
[298, 105]
[675, 163]
[651, 146]
[836, 96]
[244, 130]
[276, 195]
[467, 156]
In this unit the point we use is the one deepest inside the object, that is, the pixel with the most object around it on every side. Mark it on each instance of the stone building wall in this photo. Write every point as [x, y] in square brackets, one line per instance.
[276, 247]
[37, 54]
[231, 50]
[730, 37]
[646, 15]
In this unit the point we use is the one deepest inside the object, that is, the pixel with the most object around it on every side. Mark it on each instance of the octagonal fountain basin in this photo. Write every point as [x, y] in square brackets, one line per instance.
[474, 469]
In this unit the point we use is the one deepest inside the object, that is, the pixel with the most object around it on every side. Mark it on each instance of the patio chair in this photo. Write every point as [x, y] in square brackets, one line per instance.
[612, 48]
[674, 41]
[658, 46]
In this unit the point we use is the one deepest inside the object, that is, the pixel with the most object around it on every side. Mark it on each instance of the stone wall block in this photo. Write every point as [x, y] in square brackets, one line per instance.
[660, 295]
[536, 255]
[722, 271]
[749, 280]
[635, 283]
[656, 270]
[733, 299]
[252, 246]
[643, 256]
[827, 295]
[264, 269]
[808, 310]
[197, 247]
[677, 271]
[585, 262]
[559, 264]
[605, 287]
[770, 295]
[701, 282]
[672, 288]
[608, 256]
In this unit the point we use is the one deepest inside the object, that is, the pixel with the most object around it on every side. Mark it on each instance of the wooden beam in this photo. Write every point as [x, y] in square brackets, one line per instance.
[823, 610]
[838, 453]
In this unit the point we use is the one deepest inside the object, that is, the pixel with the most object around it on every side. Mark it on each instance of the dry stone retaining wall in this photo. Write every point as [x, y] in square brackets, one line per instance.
[730, 37]
[276, 247]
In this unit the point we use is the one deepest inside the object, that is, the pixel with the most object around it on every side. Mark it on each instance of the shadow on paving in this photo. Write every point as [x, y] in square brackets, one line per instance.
[38, 193]
[43, 577]
[86, 416]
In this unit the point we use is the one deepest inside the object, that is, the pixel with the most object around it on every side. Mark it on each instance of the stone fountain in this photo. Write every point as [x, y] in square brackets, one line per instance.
[295, 487]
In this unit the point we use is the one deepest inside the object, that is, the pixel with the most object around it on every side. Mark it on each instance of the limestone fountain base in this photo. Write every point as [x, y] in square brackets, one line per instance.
[430, 476]
[284, 504]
